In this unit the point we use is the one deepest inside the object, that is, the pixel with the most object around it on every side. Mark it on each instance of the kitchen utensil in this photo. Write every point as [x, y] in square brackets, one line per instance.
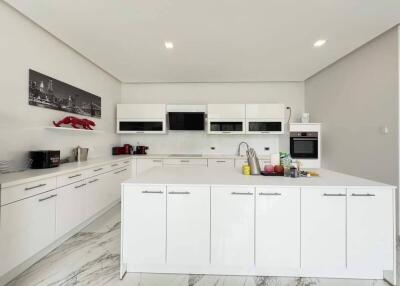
[305, 118]
[80, 154]
[253, 161]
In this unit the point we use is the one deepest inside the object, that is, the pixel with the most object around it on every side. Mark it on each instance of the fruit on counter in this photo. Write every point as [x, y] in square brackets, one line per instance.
[269, 168]
[278, 169]
[313, 174]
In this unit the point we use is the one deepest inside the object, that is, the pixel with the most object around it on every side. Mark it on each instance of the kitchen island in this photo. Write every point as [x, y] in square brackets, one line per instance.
[217, 221]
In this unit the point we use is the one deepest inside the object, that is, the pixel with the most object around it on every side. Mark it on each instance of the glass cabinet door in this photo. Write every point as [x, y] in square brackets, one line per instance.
[224, 126]
[267, 126]
[140, 126]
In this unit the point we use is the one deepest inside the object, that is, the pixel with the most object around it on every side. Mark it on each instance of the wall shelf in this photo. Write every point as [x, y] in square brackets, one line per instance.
[73, 129]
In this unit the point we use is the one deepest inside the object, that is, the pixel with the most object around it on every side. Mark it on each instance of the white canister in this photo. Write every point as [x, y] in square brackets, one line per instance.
[305, 118]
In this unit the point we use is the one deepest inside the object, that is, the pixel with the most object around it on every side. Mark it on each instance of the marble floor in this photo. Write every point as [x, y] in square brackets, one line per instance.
[91, 258]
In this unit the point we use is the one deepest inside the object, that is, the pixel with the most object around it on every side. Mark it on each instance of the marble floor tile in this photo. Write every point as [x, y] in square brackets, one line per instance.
[91, 258]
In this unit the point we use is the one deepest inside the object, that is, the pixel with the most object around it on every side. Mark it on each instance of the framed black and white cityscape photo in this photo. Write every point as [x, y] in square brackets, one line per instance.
[48, 92]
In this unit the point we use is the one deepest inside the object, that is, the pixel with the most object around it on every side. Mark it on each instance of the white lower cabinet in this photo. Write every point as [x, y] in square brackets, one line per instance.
[70, 206]
[277, 228]
[144, 224]
[188, 225]
[323, 229]
[370, 229]
[117, 177]
[27, 226]
[142, 165]
[232, 226]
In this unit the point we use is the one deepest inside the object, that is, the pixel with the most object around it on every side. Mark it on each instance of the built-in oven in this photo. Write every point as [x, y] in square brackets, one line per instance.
[304, 145]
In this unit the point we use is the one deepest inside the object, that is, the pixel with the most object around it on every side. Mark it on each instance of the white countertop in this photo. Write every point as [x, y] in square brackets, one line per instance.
[195, 156]
[30, 175]
[222, 176]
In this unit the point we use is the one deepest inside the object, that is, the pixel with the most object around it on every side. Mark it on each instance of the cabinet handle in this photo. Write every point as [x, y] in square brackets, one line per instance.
[35, 187]
[47, 198]
[120, 171]
[221, 161]
[139, 132]
[80, 186]
[226, 132]
[185, 161]
[270, 194]
[95, 180]
[265, 131]
[114, 165]
[363, 195]
[152, 192]
[334, 195]
[126, 162]
[99, 169]
[74, 176]
[157, 161]
[238, 193]
[179, 193]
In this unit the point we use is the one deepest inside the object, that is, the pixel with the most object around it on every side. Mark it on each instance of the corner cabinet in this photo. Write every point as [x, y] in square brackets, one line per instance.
[141, 118]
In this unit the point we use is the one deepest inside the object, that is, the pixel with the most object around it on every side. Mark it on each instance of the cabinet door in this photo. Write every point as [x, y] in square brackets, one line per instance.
[145, 164]
[70, 207]
[188, 225]
[323, 228]
[96, 194]
[27, 226]
[232, 226]
[221, 163]
[370, 215]
[278, 227]
[117, 177]
[144, 225]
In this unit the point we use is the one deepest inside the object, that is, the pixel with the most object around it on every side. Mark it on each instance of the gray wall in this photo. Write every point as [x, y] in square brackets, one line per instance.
[354, 99]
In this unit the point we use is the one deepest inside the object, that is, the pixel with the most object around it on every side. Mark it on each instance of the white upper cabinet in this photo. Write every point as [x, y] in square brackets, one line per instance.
[141, 118]
[226, 118]
[265, 118]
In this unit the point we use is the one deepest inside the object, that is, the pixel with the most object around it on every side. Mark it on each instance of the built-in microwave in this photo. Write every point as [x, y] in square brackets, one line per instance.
[304, 145]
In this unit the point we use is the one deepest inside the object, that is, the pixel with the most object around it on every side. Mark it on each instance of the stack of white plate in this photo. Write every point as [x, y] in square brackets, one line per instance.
[4, 166]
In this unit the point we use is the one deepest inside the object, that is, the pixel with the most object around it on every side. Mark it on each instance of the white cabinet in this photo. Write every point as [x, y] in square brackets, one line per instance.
[265, 118]
[70, 207]
[221, 163]
[370, 229]
[232, 226]
[27, 226]
[144, 224]
[188, 225]
[185, 162]
[277, 227]
[96, 195]
[117, 177]
[141, 118]
[226, 118]
[146, 164]
[323, 228]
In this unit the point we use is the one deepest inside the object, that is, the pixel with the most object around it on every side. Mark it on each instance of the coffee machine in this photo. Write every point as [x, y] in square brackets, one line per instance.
[141, 150]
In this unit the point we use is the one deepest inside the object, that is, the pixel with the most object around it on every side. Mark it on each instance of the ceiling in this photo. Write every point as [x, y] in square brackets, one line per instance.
[214, 40]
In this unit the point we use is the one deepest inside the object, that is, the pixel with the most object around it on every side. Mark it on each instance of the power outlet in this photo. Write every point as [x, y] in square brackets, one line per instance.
[212, 148]
[266, 148]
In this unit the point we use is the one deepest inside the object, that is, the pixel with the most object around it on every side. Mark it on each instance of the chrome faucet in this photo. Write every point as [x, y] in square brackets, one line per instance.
[240, 144]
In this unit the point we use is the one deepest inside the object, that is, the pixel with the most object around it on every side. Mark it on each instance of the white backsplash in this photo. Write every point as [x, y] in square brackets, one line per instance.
[194, 142]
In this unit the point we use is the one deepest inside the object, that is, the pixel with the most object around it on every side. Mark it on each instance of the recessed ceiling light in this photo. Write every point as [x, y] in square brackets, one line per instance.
[169, 45]
[319, 43]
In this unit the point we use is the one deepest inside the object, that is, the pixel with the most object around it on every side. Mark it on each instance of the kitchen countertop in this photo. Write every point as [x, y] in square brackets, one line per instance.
[195, 156]
[30, 175]
[222, 176]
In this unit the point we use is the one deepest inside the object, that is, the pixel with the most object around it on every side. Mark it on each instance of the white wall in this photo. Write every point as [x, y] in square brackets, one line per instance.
[23, 46]
[289, 93]
[354, 99]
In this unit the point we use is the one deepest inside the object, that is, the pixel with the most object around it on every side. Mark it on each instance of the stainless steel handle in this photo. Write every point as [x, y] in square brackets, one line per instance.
[238, 193]
[74, 176]
[270, 194]
[179, 193]
[185, 161]
[47, 198]
[152, 192]
[221, 161]
[139, 132]
[363, 195]
[120, 171]
[226, 131]
[80, 186]
[334, 195]
[92, 181]
[157, 161]
[35, 187]
[114, 165]
[99, 169]
[265, 131]
[126, 162]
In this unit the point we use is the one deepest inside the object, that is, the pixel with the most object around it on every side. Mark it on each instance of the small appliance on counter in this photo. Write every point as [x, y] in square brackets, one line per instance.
[44, 159]
[141, 150]
[127, 149]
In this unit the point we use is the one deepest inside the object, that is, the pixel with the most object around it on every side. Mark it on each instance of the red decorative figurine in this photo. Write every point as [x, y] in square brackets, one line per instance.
[74, 121]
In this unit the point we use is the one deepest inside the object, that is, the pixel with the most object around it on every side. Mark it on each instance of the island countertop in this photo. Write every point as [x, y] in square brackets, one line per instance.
[216, 176]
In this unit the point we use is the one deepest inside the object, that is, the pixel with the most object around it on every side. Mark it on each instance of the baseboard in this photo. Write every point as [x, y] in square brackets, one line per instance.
[6, 278]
